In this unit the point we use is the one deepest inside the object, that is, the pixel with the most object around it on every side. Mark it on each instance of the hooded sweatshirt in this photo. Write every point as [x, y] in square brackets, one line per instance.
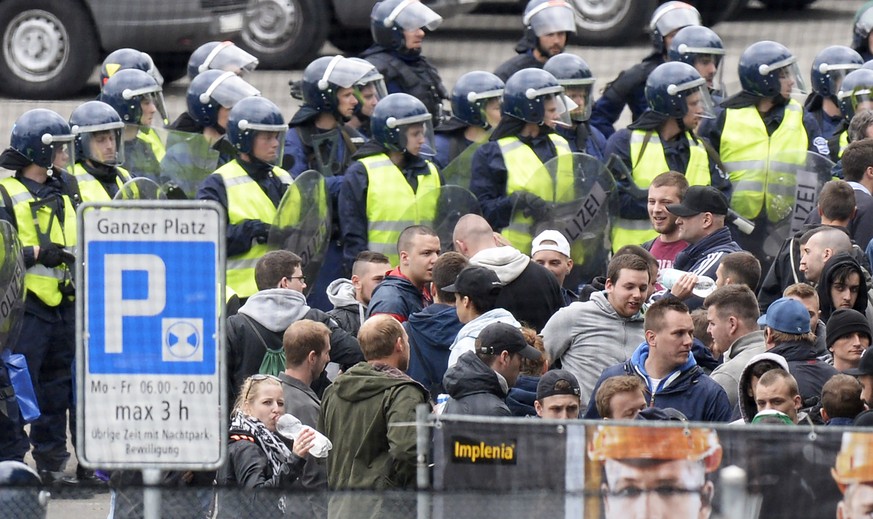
[747, 406]
[734, 362]
[591, 336]
[475, 388]
[530, 292]
[397, 296]
[465, 340]
[431, 333]
[687, 389]
[357, 415]
[347, 311]
[826, 280]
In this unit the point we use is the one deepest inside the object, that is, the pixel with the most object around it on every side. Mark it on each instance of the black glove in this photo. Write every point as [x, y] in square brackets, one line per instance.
[53, 255]
[532, 205]
[258, 230]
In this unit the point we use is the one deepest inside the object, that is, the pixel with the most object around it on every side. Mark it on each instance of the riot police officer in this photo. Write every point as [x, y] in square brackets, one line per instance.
[829, 68]
[475, 110]
[99, 153]
[547, 27]
[127, 58]
[390, 174]
[703, 49]
[502, 169]
[368, 94]
[573, 73]
[629, 87]
[137, 97]
[662, 140]
[250, 187]
[37, 202]
[220, 55]
[862, 27]
[398, 28]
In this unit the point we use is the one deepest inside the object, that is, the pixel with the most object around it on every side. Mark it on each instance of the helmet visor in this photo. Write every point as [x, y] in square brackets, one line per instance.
[710, 69]
[151, 100]
[412, 14]
[698, 101]
[557, 109]
[553, 16]
[675, 17]
[369, 91]
[865, 22]
[268, 143]
[228, 57]
[862, 99]
[416, 135]
[837, 73]
[101, 143]
[345, 72]
[228, 89]
[580, 94]
[790, 79]
[62, 148]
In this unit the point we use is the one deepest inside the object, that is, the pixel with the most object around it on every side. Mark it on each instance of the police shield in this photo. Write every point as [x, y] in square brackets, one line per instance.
[793, 183]
[140, 189]
[189, 159]
[453, 202]
[579, 193]
[11, 285]
[144, 152]
[459, 171]
[303, 223]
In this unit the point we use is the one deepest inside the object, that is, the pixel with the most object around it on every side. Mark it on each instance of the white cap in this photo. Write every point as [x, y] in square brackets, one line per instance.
[559, 243]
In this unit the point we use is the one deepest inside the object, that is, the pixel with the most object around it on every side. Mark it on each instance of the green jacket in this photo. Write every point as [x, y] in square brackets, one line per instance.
[356, 413]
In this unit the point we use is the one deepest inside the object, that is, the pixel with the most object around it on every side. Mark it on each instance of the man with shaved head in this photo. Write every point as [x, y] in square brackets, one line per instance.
[819, 245]
[530, 292]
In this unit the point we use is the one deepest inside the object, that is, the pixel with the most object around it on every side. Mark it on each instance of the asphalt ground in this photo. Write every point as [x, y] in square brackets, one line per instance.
[482, 42]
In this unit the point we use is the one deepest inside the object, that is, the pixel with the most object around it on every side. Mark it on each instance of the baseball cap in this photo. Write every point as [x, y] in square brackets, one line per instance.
[700, 199]
[497, 337]
[786, 315]
[476, 281]
[845, 321]
[772, 416]
[557, 382]
[560, 243]
[865, 367]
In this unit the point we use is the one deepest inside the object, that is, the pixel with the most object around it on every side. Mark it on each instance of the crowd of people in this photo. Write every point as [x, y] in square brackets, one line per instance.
[703, 307]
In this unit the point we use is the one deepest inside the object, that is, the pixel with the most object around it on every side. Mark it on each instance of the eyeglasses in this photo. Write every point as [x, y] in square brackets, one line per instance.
[301, 278]
[258, 378]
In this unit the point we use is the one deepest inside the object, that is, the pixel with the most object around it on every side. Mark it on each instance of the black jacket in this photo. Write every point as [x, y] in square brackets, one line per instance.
[475, 388]
[810, 372]
[783, 271]
[826, 303]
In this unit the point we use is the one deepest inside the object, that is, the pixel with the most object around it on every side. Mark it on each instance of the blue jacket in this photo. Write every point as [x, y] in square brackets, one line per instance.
[584, 138]
[448, 146]
[431, 332]
[627, 89]
[522, 396]
[688, 389]
[396, 295]
[704, 257]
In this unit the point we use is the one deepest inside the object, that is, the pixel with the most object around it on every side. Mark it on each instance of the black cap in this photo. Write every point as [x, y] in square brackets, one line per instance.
[845, 321]
[497, 337]
[557, 382]
[700, 199]
[475, 281]
[865, 367]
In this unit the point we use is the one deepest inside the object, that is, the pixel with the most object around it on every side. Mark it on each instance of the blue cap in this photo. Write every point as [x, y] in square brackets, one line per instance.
[786, 315]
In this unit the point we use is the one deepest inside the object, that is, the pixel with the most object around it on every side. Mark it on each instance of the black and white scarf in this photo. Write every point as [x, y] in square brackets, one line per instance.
[276, 451]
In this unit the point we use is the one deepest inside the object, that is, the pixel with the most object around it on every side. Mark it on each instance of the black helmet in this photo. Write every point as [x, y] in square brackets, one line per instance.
[220, 55]
[669, 17]
[92, 118]
[213, 89]
[37, 133]
[389, 18]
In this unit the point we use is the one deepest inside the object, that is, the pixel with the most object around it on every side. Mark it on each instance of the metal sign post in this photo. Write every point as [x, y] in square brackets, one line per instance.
[150, 295]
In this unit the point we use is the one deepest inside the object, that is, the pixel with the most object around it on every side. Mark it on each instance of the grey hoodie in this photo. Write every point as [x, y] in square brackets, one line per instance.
[748, 407]
[466, 339]
[590, 337]
[347, 311]
[276, 308]
[734, 362]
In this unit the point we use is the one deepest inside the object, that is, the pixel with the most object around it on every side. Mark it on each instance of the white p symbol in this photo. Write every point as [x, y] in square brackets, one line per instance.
[117, 307]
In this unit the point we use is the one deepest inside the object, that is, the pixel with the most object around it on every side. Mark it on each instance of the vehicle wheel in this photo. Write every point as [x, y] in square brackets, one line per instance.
[171, 65]
[351, 41]
[786, 4]
[611, 22]
[48, 48]
[284, 33]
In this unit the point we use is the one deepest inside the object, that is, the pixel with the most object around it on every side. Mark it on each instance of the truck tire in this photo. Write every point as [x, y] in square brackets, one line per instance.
[611, 22]
[49, 48]
[284, 33]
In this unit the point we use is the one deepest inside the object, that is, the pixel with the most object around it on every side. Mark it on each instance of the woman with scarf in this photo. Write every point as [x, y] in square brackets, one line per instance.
[257, 456]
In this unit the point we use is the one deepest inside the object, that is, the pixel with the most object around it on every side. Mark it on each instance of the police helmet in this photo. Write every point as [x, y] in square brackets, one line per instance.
[856, 91]
[548, 16]
[249, 116]
[91, 118]
[693, 41]
[574, 74]
[392, 115]
[212, 90]
[472, 92]
[862, 26]
[868, 64]
[127, 58]
[326, 75]
[127, 89]
[366, 95]
[762, 65]
[830, 66]
[525, 93]
[389, 18]
[21, 493]
[37, 133]
[220, 55]
[669, 17]
[670, 85]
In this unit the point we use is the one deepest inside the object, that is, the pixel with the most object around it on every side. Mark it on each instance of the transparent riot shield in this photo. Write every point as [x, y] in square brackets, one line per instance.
[140, 189]
[190, 158]
[459, 171]
[580, 193]
[11, 285]
[303, 223]
[793, 183]
[144, 152]
[453, 202]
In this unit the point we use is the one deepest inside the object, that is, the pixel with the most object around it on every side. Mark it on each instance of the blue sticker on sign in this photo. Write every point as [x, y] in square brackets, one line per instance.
[152, 308]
